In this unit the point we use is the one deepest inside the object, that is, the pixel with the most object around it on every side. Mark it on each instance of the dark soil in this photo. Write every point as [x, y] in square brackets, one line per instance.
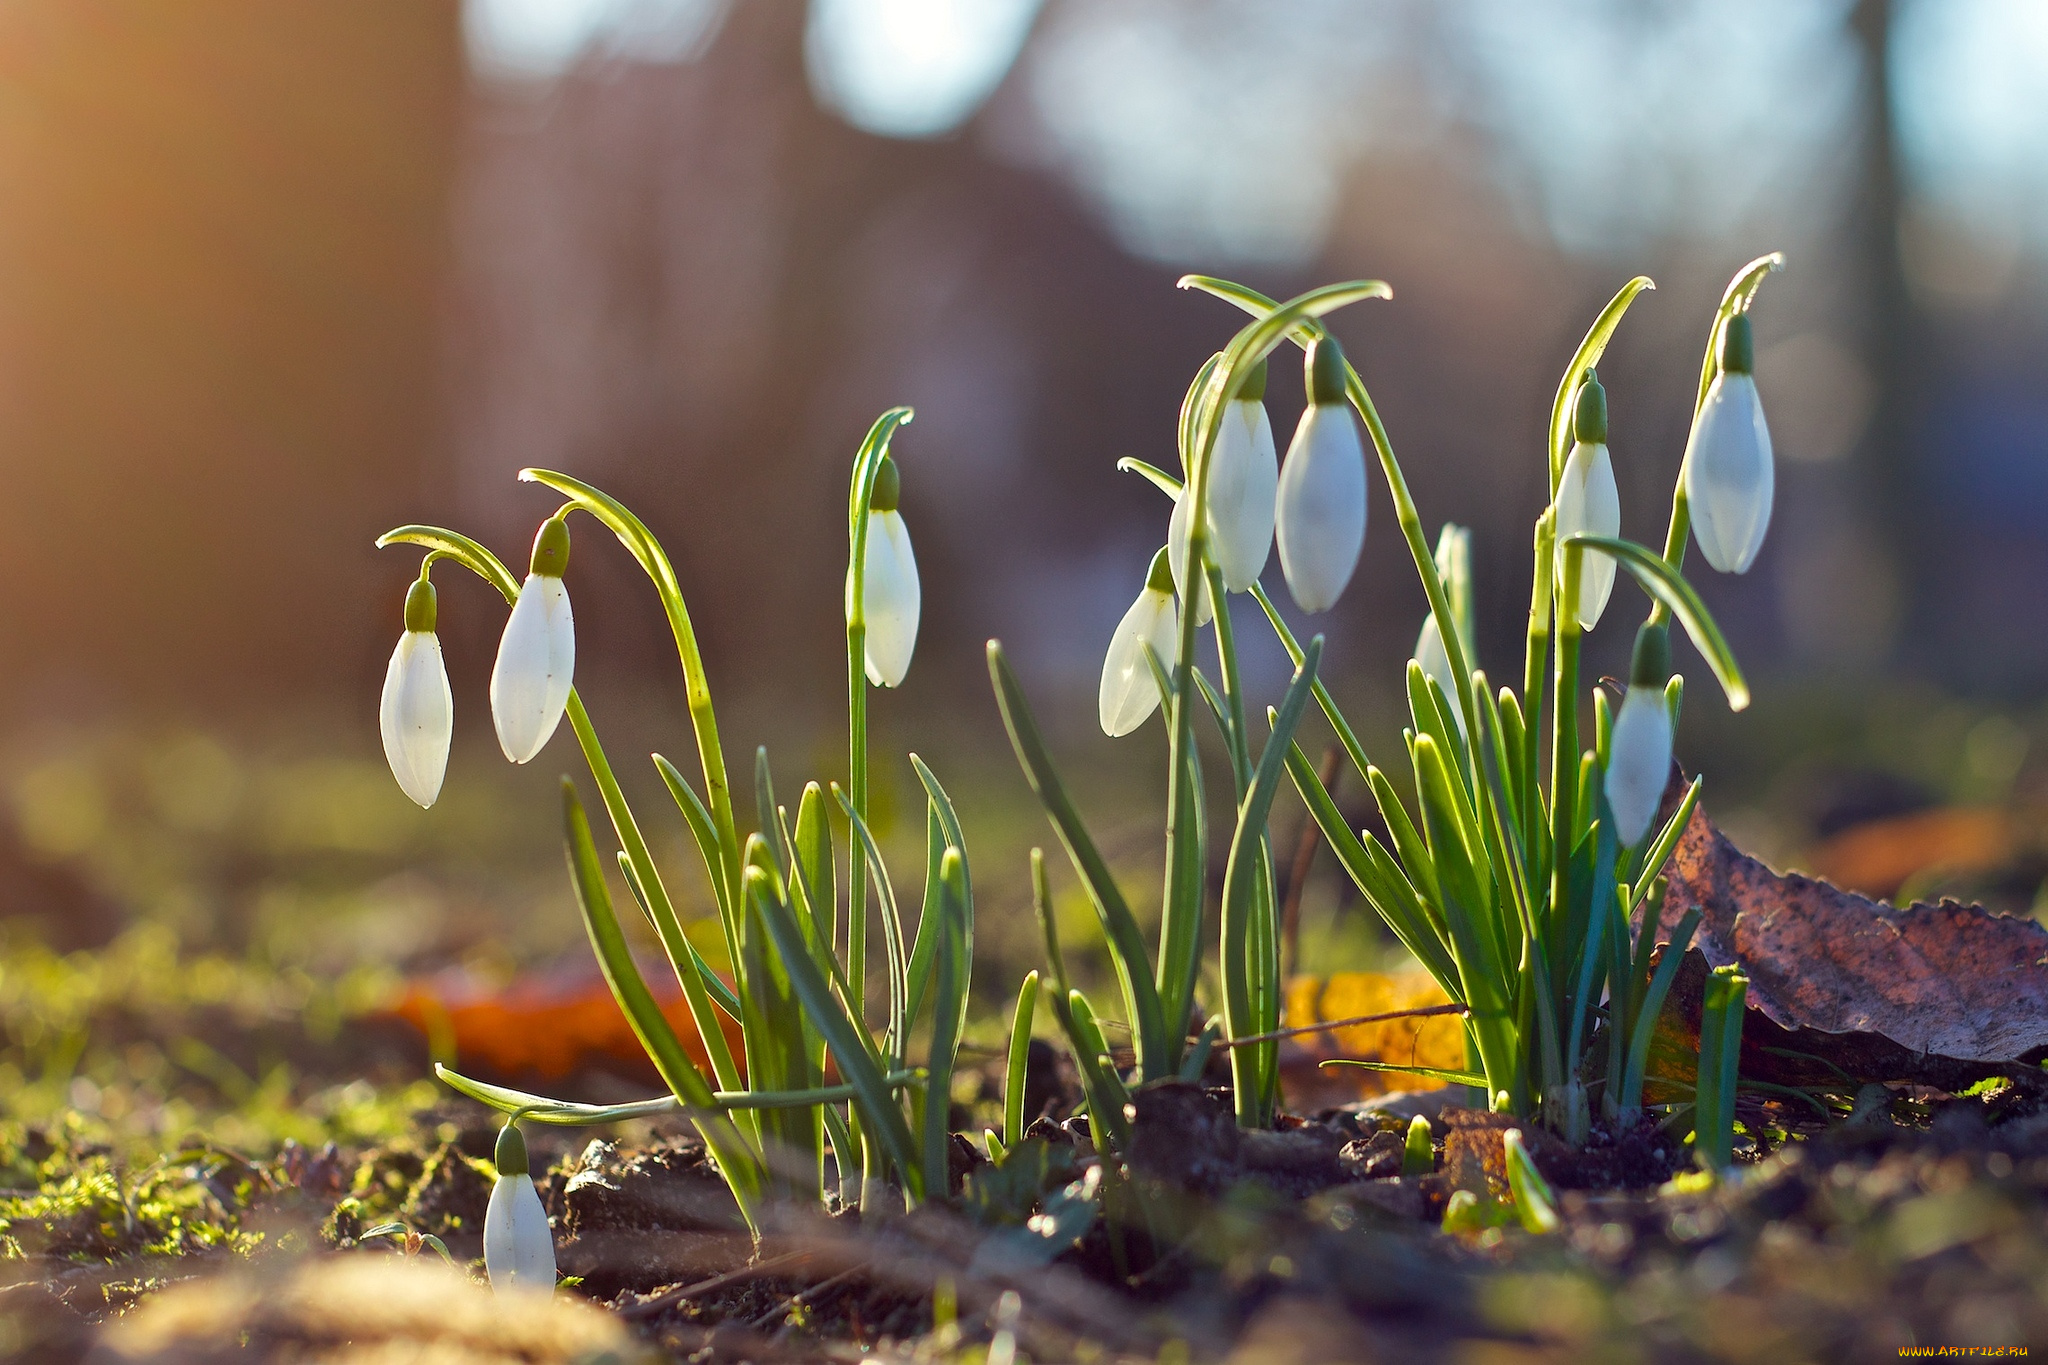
[1920, 1220]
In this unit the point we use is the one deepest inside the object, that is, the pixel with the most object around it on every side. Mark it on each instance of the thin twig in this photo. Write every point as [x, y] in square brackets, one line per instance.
[648, 1308]
[1419, 1013]
[807, 1295]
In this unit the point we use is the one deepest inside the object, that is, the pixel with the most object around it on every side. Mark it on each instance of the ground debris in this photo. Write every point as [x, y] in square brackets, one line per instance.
[1942, 981]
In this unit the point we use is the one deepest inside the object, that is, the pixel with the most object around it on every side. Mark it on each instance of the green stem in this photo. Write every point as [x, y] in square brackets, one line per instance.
[697, 686]
[661, 910]
[1564, 742]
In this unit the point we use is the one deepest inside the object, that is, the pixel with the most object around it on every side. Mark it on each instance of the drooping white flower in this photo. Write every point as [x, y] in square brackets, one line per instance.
[1436, 664]
[417, 714]
[1729, 473]
[1130, 692]
[1244, 478]
[1639, 750]
[1320, 516]
[891, 598]
[519, 1247]
[1588, 501]
[536, 664]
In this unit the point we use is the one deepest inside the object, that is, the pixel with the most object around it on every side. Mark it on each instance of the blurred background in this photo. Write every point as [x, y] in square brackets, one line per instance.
[274, 278]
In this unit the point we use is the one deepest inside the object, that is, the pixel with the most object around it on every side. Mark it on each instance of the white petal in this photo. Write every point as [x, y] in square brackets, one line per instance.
[417, 715]
[519, 1247]
[1320, 517]
[1729, 474]
[1587, 501]
[894, 599]
[1244, 479]
[536, 667]
[1176, 556]
[1638, 762]
[1129, 691]
[1436, 663]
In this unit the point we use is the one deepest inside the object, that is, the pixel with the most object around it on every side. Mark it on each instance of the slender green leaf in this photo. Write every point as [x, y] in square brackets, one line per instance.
[736, 1160]
[892, 930]
[1585, 358]
[1402, 913]
[1159, 478]
[1669, 588]
[1019, 1060]
[948, 1013]
[852, 1048]
[1240, 1017]
[947, 820]
[1127, 941]
[1644, 1027]
[1475, 1079]
[714, 985]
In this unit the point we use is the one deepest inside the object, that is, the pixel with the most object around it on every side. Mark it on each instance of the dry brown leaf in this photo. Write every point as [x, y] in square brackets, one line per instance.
[1954, 981]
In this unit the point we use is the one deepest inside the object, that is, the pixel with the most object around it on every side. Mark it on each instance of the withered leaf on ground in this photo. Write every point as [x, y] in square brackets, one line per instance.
[1944, 981]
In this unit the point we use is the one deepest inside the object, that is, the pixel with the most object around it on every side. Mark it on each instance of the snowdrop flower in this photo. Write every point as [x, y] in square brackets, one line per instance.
[891, 598]
[1639, 751]
[417, 714]
[1320, 518]
[1436, 663]
[1728, 472]
[519, 1248]
[1244, 477]
[1588, 502]
[537, 654]
[1130, 693]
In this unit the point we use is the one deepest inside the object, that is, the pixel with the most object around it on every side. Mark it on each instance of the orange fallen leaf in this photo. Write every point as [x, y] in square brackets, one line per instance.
[1434, 1041]
[545, 1026]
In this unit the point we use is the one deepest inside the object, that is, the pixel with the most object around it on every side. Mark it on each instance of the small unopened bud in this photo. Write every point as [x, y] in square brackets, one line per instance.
[1324, 371]
[888, 489]
[1589, 417]
[419, 605]
[551, 548]
[1650, 663]
[1738, 346]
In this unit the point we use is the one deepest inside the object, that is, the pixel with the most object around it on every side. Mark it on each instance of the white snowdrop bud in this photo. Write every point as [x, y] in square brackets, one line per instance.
[519, 1247]
[891, 598]
[1130, 692]
[1320, 517]
[1639, 751]
[537, 654]
[1729, 473]
[417, 713]
[1588, 501]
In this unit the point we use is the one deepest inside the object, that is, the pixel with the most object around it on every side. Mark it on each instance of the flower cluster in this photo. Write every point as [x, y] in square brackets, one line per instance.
[536, 663]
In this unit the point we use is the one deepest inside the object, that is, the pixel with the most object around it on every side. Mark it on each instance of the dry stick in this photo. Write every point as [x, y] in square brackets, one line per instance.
[806, 1295]
[1421, 1012]
[649, 1307]
[1297, 872]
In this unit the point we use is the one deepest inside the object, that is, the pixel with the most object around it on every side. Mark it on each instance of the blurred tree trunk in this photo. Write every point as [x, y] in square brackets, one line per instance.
[222, 235]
